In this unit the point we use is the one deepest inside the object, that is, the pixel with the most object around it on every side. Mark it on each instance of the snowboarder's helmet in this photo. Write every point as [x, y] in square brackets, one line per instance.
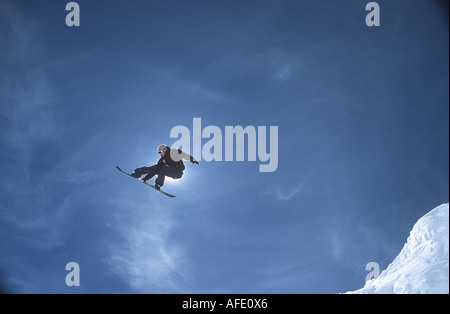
[162, 148]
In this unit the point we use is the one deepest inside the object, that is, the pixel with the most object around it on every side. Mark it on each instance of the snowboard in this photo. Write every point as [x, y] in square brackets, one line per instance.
[148, 184]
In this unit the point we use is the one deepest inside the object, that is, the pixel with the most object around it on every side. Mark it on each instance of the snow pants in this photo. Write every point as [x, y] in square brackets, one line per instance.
[161, 171]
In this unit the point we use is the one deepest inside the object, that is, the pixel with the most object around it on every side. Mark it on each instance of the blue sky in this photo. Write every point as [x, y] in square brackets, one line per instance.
[363, 142]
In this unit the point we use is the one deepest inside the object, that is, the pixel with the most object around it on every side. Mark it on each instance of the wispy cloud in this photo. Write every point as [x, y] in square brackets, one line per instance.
[27, 102]
[31, 220]
[146, 258]
[286, 195]
[31, 135]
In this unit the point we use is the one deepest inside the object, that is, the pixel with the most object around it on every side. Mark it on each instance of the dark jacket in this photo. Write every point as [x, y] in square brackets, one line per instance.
[174, 157]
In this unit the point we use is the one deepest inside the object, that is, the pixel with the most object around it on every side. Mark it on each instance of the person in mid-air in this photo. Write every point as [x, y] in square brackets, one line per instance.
[170, 164]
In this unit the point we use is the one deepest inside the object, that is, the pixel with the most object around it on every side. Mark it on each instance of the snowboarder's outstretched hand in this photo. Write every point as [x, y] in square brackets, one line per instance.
[195, 162]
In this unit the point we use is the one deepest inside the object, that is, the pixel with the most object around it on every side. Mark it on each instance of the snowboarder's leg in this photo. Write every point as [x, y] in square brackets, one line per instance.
[167, 171]
[149, 171]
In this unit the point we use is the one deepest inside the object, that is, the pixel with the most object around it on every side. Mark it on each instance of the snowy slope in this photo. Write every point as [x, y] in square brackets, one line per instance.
[423, 264]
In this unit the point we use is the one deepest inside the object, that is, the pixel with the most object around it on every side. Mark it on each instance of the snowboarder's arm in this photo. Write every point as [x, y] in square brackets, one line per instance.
[182, 155]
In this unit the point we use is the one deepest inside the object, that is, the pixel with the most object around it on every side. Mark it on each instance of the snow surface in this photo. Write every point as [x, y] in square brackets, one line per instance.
[422, 267]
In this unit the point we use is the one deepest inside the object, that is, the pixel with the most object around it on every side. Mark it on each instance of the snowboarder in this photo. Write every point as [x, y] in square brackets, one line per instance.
[170, 164]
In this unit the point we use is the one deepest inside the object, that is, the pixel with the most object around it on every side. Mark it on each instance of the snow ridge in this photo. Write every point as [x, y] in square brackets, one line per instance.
[422, 267]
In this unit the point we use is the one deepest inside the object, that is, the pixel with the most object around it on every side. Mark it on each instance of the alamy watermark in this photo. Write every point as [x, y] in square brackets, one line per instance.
[73, 277]
[73, 17]
[373, 17]
[374, 269]
[222, 146]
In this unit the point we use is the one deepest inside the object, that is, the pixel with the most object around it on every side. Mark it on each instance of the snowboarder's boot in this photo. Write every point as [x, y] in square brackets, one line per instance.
[157, 186]
[135, 175]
